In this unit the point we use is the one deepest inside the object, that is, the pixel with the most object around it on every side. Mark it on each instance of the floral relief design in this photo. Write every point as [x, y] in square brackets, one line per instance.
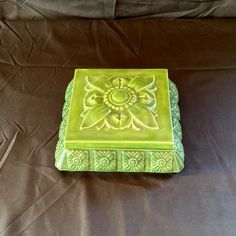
[175, 110]
[173, 92]
[105, 161]
[178, 147]
[133, 161]
[176, 127]
[78, 160]
[120, 103]
[161, 162]
[59, 148]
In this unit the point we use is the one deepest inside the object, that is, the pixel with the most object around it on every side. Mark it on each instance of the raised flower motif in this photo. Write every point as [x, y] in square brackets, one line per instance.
[161, 162]
[120, 103]
[78, 160]
[133, 161]
[105, 161]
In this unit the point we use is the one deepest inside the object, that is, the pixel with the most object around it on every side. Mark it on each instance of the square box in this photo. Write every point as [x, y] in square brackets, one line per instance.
[117, 116]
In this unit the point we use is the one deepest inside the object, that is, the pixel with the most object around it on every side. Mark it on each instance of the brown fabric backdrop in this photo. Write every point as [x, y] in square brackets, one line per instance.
[38, 9]
[37, 60]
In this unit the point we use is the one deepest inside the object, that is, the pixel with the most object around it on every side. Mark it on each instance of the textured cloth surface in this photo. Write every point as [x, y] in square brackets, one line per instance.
[37, 60]
[40, 9]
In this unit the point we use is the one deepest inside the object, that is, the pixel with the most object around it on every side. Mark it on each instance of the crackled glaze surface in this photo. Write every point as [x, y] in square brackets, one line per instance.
[120, 103]
[124, 160]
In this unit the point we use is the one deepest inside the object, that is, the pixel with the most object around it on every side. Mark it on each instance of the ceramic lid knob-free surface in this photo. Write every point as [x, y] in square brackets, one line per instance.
[120, 120]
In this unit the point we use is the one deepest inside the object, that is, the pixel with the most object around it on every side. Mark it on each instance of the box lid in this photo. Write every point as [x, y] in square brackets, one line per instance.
[120, 108]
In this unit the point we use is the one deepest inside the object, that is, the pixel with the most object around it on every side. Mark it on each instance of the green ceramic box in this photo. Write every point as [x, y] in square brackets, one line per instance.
[124, 120]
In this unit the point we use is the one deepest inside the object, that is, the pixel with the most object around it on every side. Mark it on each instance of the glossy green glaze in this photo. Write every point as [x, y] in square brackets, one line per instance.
[119, 109]
[120, 120]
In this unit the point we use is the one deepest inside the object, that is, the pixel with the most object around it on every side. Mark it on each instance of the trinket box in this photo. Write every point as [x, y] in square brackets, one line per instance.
[120, 120]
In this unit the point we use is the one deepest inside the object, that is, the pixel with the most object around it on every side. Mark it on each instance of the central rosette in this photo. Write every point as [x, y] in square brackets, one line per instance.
[120, 103]
[120, 98]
